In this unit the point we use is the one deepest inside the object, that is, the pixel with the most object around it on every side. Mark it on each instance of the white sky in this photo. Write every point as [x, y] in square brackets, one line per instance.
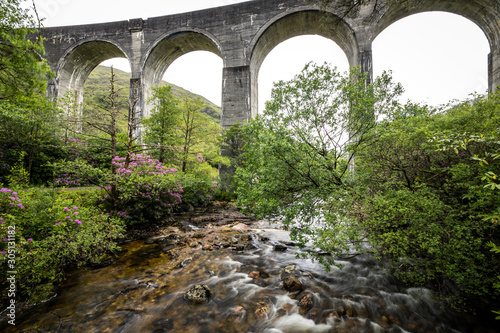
[436, 56]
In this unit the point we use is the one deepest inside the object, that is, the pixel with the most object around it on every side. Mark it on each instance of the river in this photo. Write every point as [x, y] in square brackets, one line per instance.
[144, 290]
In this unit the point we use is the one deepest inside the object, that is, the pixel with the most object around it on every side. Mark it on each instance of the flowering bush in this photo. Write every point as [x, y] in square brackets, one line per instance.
[145, 190]
[52, 230]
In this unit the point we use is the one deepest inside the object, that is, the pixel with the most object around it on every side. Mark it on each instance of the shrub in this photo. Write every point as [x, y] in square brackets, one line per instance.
[145, 190]
[52, 231]
[198, 185]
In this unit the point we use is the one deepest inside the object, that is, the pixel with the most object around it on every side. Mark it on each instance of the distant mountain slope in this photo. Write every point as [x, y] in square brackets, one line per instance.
[99, 81]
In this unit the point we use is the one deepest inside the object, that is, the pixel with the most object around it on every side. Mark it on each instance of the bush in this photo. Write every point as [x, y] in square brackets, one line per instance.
[425, 205]
[198, 185]
[143, 191]
[49, 231]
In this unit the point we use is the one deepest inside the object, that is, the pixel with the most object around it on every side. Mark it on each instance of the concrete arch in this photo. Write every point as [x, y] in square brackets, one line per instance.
[168, 48]
[297, 22]
[303, 21]
[484, 13]
[79, 61]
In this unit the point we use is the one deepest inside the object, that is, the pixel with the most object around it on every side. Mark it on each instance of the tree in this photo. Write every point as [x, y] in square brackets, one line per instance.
[161, 128]
[102, 125]
[298, 153]
[423, 203]
[27, 129]
[192, 122]
[22, 71]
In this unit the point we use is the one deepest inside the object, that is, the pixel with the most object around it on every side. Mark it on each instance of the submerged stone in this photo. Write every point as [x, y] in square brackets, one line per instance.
[199, 293]
[291, 284]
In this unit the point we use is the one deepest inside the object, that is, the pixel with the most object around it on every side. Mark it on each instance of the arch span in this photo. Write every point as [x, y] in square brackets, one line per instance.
[302, 21]
[167, 49]
[78, 62]
[437, 62]
[484, 13]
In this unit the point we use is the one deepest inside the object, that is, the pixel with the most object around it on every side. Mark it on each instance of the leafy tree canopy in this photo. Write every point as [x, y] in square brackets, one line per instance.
[299, 150]
[22, 71]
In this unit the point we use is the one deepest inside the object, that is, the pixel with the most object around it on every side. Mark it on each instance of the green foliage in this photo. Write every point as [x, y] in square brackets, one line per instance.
[22, 71]
[198, 185]
[421, 191]
[424, 201]
[142, 191]
[161, 126]
[53, 230]
[18, 177]
[27, 129]
[298, 152]
[231, 147]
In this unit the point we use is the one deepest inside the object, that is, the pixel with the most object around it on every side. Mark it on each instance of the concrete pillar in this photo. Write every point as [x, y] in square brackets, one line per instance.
[365, 61]
[494, 70]
[51, 91]
[236, 95]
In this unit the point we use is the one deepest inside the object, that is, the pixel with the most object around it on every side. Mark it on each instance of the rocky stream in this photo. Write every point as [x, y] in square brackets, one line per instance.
[223, 272]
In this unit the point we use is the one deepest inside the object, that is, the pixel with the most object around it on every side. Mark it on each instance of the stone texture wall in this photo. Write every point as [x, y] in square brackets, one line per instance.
[242, 35]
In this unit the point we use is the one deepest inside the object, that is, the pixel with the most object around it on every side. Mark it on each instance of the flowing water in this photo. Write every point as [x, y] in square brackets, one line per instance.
[143, 291]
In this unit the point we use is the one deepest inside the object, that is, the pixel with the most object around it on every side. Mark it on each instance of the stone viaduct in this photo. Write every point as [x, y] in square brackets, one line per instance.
[242, 35]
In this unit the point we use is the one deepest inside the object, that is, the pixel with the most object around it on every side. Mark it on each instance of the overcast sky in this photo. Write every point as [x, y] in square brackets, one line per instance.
[436, 56]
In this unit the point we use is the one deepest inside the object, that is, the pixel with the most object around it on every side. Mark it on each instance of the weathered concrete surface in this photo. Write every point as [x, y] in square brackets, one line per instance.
[242, 35]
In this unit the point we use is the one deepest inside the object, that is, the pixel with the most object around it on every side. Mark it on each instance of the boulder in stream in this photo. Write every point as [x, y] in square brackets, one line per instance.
[291, 283]
[306, 303]
[199, 293]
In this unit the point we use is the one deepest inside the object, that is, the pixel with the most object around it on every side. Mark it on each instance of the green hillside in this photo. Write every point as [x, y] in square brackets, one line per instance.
[97, 86]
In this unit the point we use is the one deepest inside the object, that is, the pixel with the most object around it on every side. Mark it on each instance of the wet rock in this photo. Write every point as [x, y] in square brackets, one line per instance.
[168, 248]
[341, 312]
[287, 308]
[254, 275]
[292, 284]
[280, 247]
[237, 311]
[172, 237]
[149, 241]
[199, 293]
[103, 261]
[263, 309]
[199, 235]
[246, 238]
[394, 320]
[239, 247]
[264, 275]
[233, 240]
[306, 303]
[240, 226]
[164, 240]
[172, 255]
[207, 247]
[313, 314]
[289, 269]
[184, 263]
[350, 311]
